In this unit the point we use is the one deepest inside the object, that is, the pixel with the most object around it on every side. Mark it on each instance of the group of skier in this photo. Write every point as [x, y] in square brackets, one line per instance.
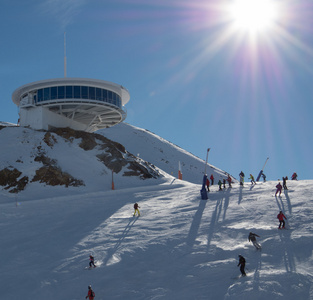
[252, 238]
[251, 178]
[220, 183]
[242, 261]
[281, 217]
[280, 187]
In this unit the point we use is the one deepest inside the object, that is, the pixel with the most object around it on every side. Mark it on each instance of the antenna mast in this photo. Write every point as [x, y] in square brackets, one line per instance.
[64, 54]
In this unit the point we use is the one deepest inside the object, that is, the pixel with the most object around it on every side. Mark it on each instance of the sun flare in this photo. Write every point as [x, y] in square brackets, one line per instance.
[253, 15]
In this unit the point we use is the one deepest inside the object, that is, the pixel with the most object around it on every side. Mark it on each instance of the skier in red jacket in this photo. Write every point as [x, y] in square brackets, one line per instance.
[91, 293]
[208, 184]
[212, 179]
[281, 217]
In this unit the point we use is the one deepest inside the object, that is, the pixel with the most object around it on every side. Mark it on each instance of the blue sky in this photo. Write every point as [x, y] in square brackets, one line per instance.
[194, 78]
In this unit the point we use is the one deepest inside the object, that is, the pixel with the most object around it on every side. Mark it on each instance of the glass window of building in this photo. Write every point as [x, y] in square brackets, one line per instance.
[61, 92]
[110, 96]
[84, 92]
[99, 94]
[40, 95]
[77, 92]
[54, 92]
[92, 93]
[46, 94]
[69, 92]
[105, 95]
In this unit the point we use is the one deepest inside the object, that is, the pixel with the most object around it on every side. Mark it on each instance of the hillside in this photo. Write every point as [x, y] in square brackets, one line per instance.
[180, 248]
[64, 158]
[161, 153]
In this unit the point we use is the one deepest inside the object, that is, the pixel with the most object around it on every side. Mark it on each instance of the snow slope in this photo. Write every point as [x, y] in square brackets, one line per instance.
[161, 153]
[181, 247]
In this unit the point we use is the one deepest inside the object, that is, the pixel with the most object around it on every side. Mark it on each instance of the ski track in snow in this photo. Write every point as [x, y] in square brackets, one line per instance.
[181, 247]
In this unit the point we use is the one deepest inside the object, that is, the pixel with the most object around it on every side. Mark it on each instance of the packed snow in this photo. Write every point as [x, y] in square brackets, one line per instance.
[181, 247]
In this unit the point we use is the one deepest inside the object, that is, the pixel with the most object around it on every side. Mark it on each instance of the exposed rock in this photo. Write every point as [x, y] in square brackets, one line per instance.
[52, 175]
[143, 171]
[9, 179]
[49, 139]
[112, 154]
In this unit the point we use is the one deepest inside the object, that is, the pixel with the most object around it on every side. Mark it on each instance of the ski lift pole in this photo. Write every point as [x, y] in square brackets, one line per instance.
[203, 192]
[206, 161]
[260, 174]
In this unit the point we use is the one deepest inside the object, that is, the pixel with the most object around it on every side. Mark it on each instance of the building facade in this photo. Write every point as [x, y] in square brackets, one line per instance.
[78, 103]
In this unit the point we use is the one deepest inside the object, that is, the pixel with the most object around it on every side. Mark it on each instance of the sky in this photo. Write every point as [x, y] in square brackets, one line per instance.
[200, 74]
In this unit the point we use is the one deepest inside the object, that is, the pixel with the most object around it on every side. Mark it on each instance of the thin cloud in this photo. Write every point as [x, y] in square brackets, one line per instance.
[64, 11]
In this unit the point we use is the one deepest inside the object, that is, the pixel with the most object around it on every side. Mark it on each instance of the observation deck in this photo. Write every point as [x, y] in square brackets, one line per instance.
[78, 103]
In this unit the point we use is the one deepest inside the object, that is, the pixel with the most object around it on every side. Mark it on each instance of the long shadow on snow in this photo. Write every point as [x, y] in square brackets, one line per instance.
[192, 234]
[101, 213]
[216, 214]
[285, 237]
[194, 228]
[124, 234]
[288, 201]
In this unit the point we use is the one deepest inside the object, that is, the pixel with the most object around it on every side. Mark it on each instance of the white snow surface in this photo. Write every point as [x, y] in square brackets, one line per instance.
[181, 247]
[162, 153]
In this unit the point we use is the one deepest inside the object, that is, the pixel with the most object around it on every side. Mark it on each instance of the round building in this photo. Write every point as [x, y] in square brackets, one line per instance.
[78, 103]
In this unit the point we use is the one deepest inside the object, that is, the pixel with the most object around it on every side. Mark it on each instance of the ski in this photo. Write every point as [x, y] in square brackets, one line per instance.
[90, 268]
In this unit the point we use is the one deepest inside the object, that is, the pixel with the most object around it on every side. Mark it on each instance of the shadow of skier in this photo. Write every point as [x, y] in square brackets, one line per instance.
[240, 195]
[288, 201]
[192, 234]
[256, 277]
[226, 203]
[288, 255]
[215, 216]
[124, 234]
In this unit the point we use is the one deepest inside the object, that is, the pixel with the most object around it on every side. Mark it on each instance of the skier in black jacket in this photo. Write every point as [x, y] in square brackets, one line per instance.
[242, 264]
[252, 238]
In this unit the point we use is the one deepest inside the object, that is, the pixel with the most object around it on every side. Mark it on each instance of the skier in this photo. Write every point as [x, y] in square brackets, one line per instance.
[220, 185]
[252, 179]
[252, 238]
[212, 179]
[284, 183]
[229, 180]
[281, 217]
[264, 177]
[242, 177]
[136, 206]
[91, 261]
[208, 184]
[242, 264]
[91, 294]
[294, 176]
[278, 189]
[224, 183]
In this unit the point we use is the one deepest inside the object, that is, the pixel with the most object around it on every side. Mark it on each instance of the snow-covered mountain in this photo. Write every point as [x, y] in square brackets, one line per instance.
[161, 153]
[73, 158]
[181, 247]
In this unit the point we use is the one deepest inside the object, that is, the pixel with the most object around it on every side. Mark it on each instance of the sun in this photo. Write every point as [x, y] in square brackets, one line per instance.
[253, 15]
